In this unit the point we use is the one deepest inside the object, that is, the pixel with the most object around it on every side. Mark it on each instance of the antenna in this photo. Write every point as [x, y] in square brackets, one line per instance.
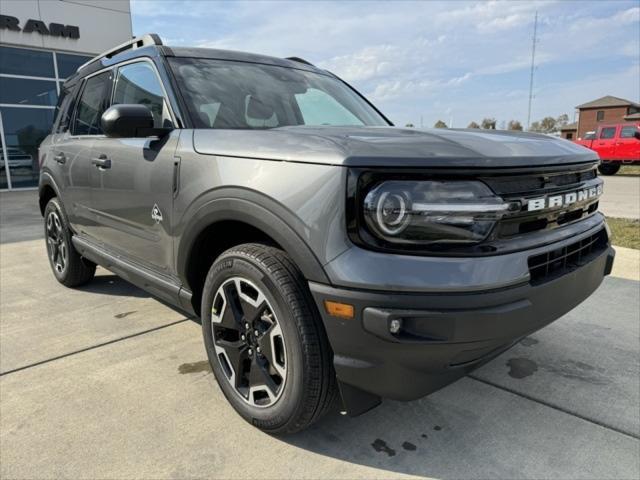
[533, 67]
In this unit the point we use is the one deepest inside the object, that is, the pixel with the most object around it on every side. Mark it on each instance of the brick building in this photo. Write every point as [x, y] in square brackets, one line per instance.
[569, 131]
[602, 111]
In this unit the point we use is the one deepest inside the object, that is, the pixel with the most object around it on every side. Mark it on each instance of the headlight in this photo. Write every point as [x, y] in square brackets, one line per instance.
[425, 212]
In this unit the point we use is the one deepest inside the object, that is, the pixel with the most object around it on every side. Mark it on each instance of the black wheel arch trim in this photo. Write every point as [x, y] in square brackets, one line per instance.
[47, 180]
[256, 210]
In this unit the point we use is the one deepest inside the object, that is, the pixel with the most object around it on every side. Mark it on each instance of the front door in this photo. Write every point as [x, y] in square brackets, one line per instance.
[605, 144]
[132, 178]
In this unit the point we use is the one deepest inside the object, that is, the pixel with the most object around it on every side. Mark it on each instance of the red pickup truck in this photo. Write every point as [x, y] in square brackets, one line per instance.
[616, 145]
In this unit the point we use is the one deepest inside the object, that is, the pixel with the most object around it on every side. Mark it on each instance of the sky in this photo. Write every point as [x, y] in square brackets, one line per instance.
[421, 61]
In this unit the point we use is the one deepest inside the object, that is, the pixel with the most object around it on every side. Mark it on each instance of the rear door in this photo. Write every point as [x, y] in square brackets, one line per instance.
[627, 145]
[72, 150]
[605, 144]
[133, 196]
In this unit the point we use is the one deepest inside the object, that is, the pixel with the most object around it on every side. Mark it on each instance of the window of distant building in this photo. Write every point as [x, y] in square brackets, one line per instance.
[599, 115]
[569, 136]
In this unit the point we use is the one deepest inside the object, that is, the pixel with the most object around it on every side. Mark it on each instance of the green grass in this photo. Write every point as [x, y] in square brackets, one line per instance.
[625, 232]
[629, 171]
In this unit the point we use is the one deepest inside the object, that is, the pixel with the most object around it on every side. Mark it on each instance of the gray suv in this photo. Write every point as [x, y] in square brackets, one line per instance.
[327, 253]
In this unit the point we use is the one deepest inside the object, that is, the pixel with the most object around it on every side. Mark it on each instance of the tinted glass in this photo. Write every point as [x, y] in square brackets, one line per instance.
[138, 84]
[68, 64]
[64, 110]
[24, 129]
[239, 95]
[628, 132]
[92, 104]
[608, 132]
[28, 92]
[20, 61]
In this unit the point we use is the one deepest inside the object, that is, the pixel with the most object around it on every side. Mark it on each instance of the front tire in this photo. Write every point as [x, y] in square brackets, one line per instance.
[265, 341]
[609, 168]
[69, 268]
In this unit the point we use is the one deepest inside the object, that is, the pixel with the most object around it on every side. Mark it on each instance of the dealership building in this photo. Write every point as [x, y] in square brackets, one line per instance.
[42, 42]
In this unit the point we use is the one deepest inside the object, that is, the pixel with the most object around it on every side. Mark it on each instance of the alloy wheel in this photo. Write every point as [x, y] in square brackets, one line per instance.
[56, 243]
[249, 342]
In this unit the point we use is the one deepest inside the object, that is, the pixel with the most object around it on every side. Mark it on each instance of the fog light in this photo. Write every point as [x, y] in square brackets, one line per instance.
[395, 325]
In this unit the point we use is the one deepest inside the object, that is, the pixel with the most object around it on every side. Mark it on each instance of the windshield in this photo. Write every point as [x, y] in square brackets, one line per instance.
[239, 95]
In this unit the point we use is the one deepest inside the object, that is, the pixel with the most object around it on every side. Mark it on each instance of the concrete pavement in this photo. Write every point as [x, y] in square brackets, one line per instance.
[107, 382]
[621, 197]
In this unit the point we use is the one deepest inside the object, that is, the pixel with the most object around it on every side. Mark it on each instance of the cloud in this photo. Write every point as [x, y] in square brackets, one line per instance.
[430, 59]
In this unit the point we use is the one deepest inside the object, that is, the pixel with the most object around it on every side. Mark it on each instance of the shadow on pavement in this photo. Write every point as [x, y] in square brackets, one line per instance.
[113, 285]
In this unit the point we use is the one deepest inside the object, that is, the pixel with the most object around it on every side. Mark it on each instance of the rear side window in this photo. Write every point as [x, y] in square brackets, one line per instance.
[608, 132]
[138, 83]
[93, 102]
[627, 132]
[64, 109]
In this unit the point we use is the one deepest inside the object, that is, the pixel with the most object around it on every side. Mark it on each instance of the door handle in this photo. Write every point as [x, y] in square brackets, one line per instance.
[102, 162]
[60, 158]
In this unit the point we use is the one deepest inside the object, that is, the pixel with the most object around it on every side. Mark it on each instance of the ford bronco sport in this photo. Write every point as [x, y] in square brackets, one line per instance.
[326, 252]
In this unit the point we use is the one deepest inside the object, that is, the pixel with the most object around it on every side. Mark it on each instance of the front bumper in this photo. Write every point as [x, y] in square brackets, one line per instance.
[444, 335]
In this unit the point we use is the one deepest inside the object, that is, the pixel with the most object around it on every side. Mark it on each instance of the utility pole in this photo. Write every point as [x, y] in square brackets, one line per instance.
[533, 67]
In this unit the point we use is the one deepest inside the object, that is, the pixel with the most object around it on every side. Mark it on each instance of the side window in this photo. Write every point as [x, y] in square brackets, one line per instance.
[599, 115]
[319, 108]
[92, 104]
[608, 132]
[628, 132]
[64, 109]
[138, 83]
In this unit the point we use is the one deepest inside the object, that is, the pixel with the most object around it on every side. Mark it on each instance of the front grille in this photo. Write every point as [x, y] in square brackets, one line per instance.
[539, 182]
[521, 188]
[552, 264]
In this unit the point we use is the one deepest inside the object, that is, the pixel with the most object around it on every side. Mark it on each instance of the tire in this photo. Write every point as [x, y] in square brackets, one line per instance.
[609, 168]
[285, 348]
[69, 268]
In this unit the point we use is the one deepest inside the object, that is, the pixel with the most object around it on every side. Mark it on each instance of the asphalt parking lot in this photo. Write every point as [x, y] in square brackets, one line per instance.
[107, 382]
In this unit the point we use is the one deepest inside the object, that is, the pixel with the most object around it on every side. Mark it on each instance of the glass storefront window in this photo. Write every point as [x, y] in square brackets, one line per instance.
[68, 64]
[29, 84]
[24, 129]
[20, 61]
[28, 92]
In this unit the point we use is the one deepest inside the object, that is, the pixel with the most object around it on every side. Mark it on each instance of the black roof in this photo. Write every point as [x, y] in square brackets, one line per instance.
[152, 47]
[211, 53]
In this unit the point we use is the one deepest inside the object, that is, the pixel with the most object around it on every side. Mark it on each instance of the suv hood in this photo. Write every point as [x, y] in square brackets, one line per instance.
[391, 147]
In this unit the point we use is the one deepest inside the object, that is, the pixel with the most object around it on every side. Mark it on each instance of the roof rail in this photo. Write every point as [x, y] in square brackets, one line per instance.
[300, 60]
[136, 42]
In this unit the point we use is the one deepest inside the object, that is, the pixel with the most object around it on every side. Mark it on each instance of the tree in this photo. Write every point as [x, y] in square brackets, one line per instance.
[514, 125]
[409, 125]
[473, 125]
[489, 123]
[440, 124]
[562, 121]
[549, 124]
[546, 125]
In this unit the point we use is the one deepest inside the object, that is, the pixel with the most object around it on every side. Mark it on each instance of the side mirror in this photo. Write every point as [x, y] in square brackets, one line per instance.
[128, 121]
[637, 134]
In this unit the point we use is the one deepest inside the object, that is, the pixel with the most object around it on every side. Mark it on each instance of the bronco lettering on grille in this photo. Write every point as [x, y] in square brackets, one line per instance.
[564, 199]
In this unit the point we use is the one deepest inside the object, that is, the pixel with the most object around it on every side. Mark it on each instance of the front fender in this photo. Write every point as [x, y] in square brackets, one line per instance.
[257, 211]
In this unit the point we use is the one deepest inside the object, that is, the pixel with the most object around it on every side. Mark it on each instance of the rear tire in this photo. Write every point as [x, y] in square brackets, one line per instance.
[258, 316]
[609, 168]
[69, 268]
